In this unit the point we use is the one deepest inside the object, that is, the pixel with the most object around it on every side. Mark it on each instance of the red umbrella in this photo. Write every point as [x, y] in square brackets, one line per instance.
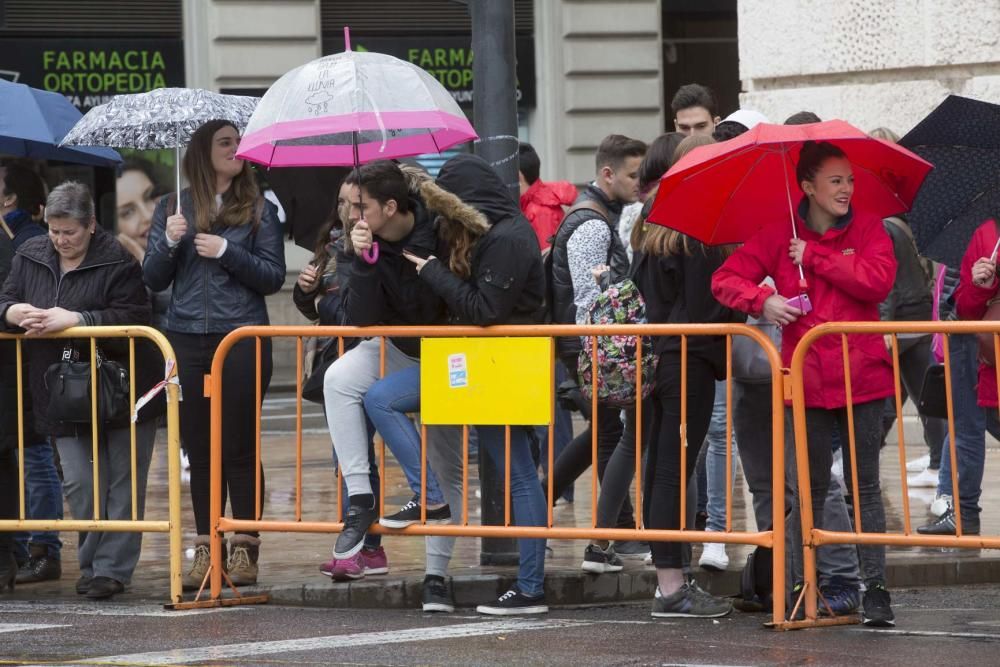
[726, 192]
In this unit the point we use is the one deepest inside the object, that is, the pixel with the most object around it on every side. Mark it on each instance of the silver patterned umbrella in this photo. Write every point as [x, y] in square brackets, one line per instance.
[161, 118]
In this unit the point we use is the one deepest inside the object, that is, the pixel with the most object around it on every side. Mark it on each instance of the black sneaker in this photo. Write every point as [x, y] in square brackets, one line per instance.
[409, 514]
[878, 612]
[39, 567]
[514, 602]
[83, 584]
[631, 549]
[944, 526]
[356, 525]
[103, 588]
[436, 596]
[599, 561]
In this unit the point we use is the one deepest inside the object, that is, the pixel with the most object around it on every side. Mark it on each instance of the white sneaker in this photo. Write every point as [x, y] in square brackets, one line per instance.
[185, 464]
[927, 479]
[713, 557]
[941, 505]
[919, 464]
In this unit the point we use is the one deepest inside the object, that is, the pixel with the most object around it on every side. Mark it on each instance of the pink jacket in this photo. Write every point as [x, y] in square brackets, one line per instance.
[971, 301]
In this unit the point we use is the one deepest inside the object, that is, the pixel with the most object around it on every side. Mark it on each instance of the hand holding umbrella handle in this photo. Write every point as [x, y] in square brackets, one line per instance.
[370, 255]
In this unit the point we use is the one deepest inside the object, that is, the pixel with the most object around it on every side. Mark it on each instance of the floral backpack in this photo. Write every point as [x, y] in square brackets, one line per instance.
[620, 303]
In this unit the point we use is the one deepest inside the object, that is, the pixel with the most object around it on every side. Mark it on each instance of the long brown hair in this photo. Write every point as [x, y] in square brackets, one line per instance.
[461, 242]
[660, 240]
[238, 201]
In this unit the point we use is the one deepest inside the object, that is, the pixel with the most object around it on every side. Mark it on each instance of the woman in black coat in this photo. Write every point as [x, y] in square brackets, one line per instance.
[79, 275]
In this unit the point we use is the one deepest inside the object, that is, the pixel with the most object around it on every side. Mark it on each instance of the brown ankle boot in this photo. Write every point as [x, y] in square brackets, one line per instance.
[202, 561]
[243, 555]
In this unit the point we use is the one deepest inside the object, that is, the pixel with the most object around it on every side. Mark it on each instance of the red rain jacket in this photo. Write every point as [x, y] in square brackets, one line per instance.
[542, 204]
[849, 270]
[971, 301]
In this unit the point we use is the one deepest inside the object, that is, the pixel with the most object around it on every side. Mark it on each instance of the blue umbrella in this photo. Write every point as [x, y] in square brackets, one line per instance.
[33, 122]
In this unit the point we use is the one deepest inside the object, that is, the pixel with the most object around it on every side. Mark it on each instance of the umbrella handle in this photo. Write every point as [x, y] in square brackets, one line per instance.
[371, 255]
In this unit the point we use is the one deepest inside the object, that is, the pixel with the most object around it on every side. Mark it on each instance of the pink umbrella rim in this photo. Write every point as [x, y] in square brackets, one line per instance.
[357, 122]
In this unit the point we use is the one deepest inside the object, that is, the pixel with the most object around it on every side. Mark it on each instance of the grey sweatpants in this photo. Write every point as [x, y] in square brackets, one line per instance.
[344, 387]
[444, 454]
[108, 554]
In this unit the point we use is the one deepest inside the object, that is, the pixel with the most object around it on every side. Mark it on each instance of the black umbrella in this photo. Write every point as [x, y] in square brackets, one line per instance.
[961, 138]
[308, 195]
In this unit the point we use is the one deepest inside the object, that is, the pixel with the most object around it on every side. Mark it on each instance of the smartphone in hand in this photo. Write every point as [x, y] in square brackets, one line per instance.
[801, 302]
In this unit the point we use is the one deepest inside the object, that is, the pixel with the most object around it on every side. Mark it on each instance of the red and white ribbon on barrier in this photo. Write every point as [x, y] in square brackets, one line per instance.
[169, 377]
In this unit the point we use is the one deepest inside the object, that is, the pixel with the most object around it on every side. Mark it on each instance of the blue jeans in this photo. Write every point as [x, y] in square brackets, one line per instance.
[970, 427]
[526, 497]
[715, 462]
[43, 498]
[386, 403]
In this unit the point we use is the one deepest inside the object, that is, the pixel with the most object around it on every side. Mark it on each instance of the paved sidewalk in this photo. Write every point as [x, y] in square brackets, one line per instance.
[290, 562]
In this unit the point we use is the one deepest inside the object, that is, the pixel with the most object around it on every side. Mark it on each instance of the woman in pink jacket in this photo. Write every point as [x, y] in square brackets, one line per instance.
[849, 266]
[977, 288]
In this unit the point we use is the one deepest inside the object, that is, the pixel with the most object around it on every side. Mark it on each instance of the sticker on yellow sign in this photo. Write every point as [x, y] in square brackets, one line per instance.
[488, 381]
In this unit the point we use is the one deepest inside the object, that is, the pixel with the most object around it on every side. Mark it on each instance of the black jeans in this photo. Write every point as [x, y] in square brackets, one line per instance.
[663, 467]
[578, 454]
[820, 426]
[239, 421]
[620, 469]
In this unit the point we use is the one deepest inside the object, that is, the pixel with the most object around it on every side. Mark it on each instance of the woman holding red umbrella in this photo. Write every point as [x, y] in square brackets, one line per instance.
[846, 259]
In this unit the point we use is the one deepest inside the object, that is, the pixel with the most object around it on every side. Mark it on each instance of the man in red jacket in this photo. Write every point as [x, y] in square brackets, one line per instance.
[542, 203]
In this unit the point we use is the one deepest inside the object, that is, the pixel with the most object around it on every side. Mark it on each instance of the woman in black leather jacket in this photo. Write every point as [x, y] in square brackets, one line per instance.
[223, 253]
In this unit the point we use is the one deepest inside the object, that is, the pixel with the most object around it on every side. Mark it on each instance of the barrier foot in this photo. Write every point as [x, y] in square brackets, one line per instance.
[221, 602]
[236, 600]
[822, 622]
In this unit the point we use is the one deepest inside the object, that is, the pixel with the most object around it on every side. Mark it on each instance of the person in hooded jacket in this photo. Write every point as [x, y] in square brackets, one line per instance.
[849, 266]
[493, 276]
[223, 253]
[79, 275]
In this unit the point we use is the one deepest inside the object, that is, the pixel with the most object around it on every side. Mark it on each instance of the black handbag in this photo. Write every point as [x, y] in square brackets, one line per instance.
[312, 388]
[68, 382]
[933, 398]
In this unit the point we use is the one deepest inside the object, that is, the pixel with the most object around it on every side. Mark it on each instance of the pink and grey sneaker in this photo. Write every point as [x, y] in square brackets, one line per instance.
[344, 569]
[374, 561]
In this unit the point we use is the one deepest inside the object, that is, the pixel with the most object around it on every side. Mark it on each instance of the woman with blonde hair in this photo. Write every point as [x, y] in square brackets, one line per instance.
[223, 253]
[673, 273]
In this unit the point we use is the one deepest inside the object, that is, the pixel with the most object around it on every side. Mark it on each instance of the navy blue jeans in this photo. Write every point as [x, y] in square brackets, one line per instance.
[43, 498]
[387, 403]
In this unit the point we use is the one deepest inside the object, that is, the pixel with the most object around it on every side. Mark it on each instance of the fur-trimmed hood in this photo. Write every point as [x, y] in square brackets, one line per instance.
[442, 202]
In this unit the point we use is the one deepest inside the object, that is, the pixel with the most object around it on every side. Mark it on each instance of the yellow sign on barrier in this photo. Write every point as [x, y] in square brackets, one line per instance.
[489, 381]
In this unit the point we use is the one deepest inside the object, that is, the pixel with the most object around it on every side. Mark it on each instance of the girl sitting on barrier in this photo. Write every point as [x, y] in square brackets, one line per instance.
[80, 275]
[320, 294]
[849, 267]
[494, 276]
[223, 253]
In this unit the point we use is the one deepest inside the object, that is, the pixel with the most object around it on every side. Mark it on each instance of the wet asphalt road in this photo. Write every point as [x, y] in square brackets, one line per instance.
[944, 626]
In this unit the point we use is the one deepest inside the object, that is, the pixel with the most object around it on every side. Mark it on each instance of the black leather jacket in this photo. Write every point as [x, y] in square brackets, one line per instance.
[216, 295]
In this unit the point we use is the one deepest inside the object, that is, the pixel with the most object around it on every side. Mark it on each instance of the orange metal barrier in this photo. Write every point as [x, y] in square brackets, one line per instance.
[172, 525]
[813, 537]
[774, 538]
